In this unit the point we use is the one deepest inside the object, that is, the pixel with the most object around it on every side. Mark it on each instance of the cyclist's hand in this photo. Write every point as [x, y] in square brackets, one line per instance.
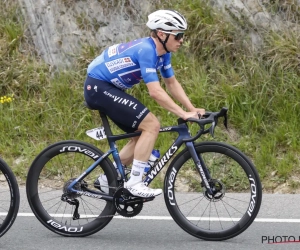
[200, 112]
[190, 115]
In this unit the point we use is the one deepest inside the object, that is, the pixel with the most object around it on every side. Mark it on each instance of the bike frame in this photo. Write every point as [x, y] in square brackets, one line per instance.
[183, 136]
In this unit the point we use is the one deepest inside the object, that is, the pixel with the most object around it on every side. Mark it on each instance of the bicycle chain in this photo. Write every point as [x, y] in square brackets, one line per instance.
[120, 187]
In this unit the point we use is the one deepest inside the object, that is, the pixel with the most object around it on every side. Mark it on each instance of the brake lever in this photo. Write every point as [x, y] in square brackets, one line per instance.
[212, 129]
[223, 113]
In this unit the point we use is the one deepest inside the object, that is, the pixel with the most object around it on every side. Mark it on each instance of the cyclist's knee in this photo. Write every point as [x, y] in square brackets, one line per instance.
[150, 123]
[134, 140]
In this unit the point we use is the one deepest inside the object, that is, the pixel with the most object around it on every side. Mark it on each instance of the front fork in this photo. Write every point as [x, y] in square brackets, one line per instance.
[202, 170]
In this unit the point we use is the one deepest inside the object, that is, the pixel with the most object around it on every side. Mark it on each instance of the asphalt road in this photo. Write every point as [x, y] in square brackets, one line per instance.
[277, 221]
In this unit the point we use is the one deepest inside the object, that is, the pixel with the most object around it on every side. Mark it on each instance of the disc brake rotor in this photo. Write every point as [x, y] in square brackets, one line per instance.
[70, 195]
[218, 189]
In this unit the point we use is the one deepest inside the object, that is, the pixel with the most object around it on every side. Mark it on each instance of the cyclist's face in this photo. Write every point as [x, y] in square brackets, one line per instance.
[175, 40]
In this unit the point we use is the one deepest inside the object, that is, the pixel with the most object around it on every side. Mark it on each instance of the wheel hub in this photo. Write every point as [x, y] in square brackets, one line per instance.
[218, 189]
[71, 195]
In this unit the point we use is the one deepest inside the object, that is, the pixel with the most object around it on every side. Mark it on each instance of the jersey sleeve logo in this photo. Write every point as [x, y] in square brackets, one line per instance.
[167, 66]
[119, 64]
[112, 50]
[150, 70]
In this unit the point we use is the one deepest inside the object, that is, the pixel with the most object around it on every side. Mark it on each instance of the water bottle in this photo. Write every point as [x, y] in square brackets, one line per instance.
[152, 160]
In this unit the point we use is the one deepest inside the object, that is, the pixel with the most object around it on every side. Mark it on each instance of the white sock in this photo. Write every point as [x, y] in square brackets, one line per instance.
[137, 171]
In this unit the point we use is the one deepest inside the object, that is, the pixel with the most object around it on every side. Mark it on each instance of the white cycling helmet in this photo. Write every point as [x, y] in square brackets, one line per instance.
[166, 20]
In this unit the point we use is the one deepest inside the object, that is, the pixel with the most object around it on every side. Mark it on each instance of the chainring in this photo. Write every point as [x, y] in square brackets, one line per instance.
[125, 204]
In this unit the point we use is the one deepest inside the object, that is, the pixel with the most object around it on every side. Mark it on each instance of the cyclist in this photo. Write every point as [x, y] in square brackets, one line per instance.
[123, 65]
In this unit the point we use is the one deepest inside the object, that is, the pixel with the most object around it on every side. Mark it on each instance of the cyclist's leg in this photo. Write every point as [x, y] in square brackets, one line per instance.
[124, 110]
[142, 147]
[126, 153]
[130, 115]
[150, 128]
[129, 150]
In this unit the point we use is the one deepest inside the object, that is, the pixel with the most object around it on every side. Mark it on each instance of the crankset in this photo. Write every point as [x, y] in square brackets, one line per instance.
[218, 189]
[128, 205]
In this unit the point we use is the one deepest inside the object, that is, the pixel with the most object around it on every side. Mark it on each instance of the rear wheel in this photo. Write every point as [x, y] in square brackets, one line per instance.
[48, 178]
[237, 192]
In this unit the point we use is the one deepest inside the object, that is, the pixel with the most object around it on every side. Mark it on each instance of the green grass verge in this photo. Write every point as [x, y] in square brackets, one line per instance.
[216, 67]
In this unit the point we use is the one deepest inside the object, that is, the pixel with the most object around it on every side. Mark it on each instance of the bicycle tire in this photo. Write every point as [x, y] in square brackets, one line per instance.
[10, 198]
[234, 207]
[48, 176]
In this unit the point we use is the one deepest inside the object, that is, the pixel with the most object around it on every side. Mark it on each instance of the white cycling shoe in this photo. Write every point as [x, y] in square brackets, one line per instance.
[141, 190]
[138, 189]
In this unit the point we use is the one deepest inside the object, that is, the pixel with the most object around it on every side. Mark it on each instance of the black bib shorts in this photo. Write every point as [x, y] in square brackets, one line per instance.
[123, 109]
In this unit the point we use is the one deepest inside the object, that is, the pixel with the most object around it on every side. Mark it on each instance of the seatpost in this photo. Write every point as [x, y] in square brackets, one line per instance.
[105, 124]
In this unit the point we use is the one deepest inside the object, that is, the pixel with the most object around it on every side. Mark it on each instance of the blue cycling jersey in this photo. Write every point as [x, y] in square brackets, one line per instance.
[126, 64]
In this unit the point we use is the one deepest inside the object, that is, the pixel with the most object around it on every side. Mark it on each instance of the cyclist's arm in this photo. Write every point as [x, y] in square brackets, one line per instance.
[163, 99]
[178, 93]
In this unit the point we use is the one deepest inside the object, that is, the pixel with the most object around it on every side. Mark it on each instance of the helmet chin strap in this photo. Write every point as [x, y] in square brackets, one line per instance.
[163, 42]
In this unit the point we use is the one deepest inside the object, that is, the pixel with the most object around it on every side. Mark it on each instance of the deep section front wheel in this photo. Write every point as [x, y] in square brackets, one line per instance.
[65, 213]
[9, 197]
[236, 197]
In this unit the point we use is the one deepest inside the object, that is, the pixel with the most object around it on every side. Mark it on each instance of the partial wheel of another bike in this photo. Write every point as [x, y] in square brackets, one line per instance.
[9, 197]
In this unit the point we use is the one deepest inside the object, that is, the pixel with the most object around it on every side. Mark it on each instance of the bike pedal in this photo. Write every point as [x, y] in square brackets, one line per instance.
[137, 199]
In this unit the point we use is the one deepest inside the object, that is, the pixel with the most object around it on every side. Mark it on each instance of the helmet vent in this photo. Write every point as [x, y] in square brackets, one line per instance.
[177, 20]
[170, 24]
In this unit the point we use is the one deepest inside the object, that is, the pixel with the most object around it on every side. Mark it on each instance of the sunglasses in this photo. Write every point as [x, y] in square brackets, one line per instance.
[178, 36]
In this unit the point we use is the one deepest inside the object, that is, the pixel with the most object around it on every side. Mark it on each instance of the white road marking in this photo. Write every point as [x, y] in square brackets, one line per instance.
[140, 217]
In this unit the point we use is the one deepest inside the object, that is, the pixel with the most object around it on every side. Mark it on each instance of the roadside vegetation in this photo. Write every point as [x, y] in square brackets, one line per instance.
[217, 67]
